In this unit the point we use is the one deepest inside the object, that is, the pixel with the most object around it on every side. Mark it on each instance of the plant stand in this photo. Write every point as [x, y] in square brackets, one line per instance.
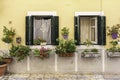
[90, 55]
[113, 54]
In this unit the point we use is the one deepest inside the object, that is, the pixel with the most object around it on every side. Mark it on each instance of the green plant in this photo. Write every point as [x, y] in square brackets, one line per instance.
[65, 31]
[65, 46]
[94, 50]
[42, 52]
[7, 39]
[114, 43]
[114, 31]
[1, 60]
[20, 51]
[87, 51]
[38, 41]
[8, 32]
[8, 35]
[114, 48]
[87, 43]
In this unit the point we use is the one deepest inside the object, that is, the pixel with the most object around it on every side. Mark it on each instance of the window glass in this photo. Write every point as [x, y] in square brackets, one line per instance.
[88, 29]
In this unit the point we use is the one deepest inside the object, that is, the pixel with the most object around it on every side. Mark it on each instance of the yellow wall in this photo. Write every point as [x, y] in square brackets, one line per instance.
[16, 10]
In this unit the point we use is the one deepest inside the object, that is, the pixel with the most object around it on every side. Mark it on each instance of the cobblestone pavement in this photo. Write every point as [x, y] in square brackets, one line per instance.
[59, 76]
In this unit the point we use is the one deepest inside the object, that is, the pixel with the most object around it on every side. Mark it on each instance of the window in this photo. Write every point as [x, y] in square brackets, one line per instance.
[91, 27]
[43, 27]
[88, 29]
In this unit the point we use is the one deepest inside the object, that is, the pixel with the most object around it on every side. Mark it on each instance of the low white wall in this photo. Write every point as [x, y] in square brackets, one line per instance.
[54, 63]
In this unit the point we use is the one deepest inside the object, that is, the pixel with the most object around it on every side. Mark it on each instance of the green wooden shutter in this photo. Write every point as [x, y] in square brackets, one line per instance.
[54, 30]
[101, 30]
[29, 30]
[103, 24]
[77, 30]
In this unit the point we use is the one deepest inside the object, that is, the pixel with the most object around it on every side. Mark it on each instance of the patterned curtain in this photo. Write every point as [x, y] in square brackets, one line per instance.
[42, 29]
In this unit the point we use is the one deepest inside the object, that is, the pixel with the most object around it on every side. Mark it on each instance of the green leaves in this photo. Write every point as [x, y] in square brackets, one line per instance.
[8, 35]
[113, 29]
[8, 32]
[20, 51]
[66, 46]
[65, 31]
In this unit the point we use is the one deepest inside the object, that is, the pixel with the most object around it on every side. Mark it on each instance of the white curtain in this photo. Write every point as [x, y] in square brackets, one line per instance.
[42, 29]
[85, 28]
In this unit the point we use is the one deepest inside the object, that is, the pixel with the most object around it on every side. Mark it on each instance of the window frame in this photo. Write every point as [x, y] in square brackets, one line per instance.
[44, 14]
[102, 22]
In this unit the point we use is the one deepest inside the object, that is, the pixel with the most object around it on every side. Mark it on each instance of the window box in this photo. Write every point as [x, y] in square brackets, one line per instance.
[88, 53]
[114, 51]
[113, 54]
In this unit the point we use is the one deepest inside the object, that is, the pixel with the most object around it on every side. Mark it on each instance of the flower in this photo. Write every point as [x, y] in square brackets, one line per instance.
[42, 52]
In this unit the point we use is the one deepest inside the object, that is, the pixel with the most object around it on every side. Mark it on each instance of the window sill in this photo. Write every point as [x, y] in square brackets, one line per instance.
[39, 46]
[90, 47]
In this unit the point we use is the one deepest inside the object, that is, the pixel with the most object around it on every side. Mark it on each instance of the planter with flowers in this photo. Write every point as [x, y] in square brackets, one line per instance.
[114, 31]
[42, 52]
[114, 51]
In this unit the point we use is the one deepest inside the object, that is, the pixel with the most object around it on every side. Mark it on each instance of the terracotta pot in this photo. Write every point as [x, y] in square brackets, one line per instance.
[8, 60]
[3, 69]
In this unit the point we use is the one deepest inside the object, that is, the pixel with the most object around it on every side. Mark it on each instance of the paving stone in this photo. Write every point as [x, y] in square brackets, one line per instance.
[59, 77]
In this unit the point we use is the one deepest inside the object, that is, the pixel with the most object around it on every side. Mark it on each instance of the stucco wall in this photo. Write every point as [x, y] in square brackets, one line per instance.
[16, 10]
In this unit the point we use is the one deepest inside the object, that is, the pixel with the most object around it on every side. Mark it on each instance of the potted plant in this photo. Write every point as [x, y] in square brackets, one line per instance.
[8, 35]
[114, 31]
[66, 48]
[65, 32]
[91, 52]
[3, 66]
[42, 52]
[39, 42]
[19, 51]
[113, 51]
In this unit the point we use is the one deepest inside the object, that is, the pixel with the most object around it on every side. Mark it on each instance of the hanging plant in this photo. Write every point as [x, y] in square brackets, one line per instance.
[114, 31]
[8, 35]
[65, 32]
